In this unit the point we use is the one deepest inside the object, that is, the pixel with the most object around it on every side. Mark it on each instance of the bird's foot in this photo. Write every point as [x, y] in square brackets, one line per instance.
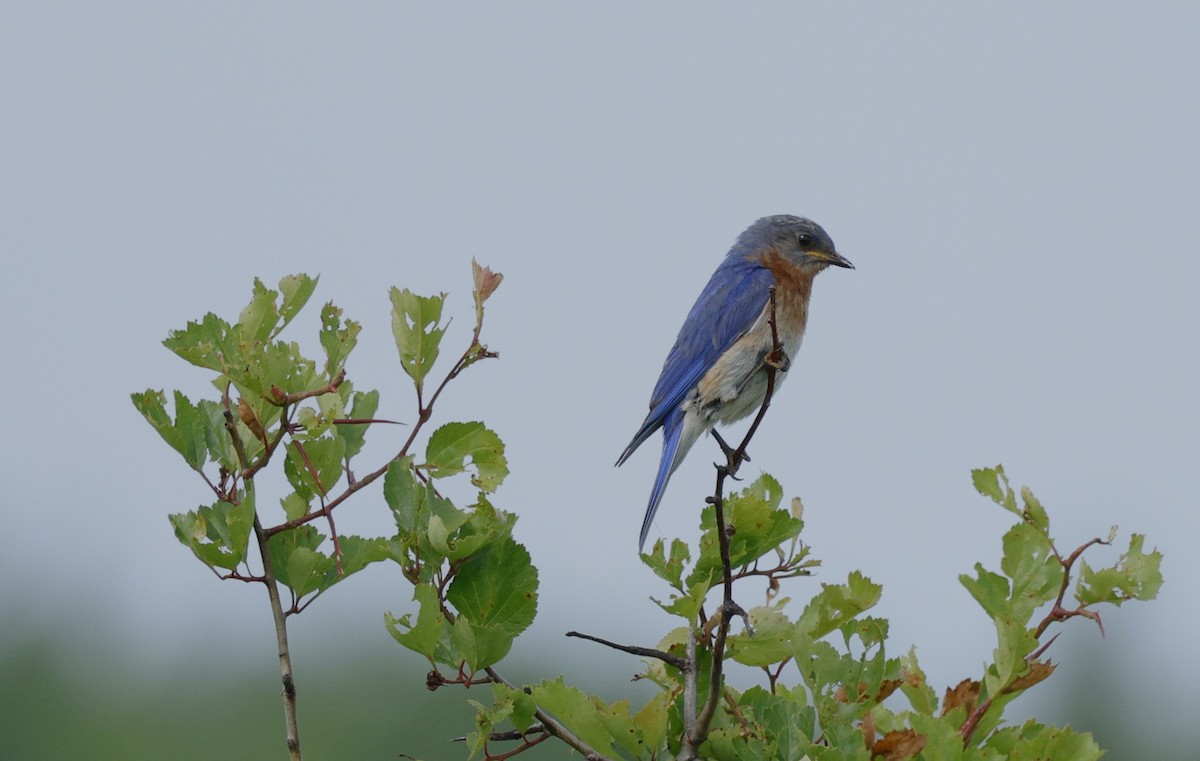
[732, 460]
[778, 360]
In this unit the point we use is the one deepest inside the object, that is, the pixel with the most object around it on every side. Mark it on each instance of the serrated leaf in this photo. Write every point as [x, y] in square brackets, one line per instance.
[836, 604]
[1034, 741]
[296, 290]
[316, 463]
[987, 483]
[363, 407]
[415, 325]
[651, 721]
[338, 339]
[403, 495]
[497, 587]
[770, 643]
[258, 320]
[915, 686]
[206, 343]
[186, 434]
[216, 435]
[452, 445]
[479, 645]
[1136, 576]
[297, 562]
[1034, 512]
[576, 710]
[669, 569]
[423, 635]
[759, 526]
[989, 589]
[294, 506]
[1035, 570]
[218, 534]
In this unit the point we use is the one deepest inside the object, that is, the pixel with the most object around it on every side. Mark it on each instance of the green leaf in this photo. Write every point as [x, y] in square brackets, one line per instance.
[364, 407]
[218, 534]
[424, 635]
[915, 686]
[770, 643]
[453, 444]
[297, 562]
[497, 587]
[206, 344]
[760, 526]
[651, 721]
[338, 339]
[415, 326]
[688, 605]
[359, 552]
[258, 320]
[1035, 570]
[403, 495]
[1033, 742]
[578, 711]
[836, 604]
[479, 645]
[216, 435]
[325, 456]
[1136, 576]
[1034, 512]
[987, 483]
[1015, 641]
[989, 589]
[294, 506]
[186, 435]
[669, 569]
[296, 290]
[992, 483]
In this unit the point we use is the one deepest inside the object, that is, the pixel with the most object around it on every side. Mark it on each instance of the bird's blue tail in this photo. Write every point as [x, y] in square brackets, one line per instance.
[672, 433]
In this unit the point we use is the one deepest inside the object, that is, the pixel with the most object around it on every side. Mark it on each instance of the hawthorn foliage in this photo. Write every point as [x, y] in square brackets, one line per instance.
[832, 685]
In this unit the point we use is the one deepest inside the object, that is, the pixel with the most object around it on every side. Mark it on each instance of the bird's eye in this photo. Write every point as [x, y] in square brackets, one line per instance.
[804, 239]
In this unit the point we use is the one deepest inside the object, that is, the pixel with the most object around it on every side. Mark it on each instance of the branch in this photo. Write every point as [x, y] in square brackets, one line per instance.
[281, 638]
[553, 726]
[696, 724]
[1057, 613]
[280, 618]
[474, 352]
[646, 652]
[280, 398]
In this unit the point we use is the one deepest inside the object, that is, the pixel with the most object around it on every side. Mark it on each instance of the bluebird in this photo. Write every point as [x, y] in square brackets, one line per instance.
[715, 372]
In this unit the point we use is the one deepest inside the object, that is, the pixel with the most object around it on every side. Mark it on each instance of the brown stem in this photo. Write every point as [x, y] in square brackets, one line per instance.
[646, 652]
[281, 399]
[281, 638]
[424, 412]
[264, 551]
[696, 724]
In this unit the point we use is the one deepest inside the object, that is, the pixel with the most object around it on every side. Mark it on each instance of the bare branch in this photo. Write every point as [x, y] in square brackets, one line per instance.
[646, 652]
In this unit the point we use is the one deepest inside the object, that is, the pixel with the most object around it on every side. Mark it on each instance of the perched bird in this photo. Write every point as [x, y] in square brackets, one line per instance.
[714, 373]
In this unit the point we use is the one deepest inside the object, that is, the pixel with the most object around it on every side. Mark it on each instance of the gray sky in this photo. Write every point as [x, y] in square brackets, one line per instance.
[1017, 188]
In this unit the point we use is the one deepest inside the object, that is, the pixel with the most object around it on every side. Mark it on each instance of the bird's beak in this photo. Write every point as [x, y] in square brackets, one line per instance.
[838, 260]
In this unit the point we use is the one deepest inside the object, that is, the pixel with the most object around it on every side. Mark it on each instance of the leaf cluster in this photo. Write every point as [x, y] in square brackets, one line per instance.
[829, 687]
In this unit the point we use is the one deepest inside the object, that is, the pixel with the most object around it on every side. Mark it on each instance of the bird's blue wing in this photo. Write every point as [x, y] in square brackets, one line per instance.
[727, 307]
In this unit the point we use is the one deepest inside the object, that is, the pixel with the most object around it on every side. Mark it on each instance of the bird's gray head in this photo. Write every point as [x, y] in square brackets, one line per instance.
[801, 240]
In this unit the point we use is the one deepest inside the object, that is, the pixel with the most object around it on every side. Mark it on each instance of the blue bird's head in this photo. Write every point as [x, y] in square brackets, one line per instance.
[801, 241]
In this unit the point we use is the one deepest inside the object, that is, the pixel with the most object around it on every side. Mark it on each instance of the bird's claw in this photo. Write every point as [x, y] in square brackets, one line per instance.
[778, 360]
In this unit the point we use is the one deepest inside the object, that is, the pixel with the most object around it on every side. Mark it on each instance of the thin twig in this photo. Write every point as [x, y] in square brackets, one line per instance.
[696, 724]
[553, 726]
[280, 398]
[424, 412]
[646, 652]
